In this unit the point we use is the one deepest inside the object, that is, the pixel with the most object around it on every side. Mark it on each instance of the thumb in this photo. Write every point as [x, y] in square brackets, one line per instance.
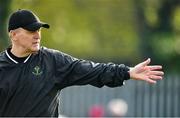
[146, 62]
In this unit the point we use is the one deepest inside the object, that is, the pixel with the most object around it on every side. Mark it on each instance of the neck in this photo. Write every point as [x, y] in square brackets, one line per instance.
[19, 52]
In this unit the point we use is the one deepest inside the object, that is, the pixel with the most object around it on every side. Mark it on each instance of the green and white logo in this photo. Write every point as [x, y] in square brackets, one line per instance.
[37, 71]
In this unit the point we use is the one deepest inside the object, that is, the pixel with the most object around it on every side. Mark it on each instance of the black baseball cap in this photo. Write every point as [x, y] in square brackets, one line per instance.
[25, 19]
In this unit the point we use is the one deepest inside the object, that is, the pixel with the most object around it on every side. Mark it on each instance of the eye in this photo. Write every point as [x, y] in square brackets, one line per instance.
[39, 30]
[35, 31]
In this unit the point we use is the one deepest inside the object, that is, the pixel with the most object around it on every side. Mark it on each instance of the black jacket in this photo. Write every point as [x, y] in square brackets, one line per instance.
[31, 88]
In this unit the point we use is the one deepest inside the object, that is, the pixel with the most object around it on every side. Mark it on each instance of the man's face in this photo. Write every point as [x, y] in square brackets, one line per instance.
[29, 41]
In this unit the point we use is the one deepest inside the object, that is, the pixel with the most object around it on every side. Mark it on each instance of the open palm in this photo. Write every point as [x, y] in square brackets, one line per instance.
[143, 71]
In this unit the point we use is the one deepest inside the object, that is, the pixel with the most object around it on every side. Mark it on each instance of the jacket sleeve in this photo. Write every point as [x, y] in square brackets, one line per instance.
[71, 71]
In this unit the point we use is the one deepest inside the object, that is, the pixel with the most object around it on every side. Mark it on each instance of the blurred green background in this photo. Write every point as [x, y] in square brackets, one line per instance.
[106, 30]
[120, 31]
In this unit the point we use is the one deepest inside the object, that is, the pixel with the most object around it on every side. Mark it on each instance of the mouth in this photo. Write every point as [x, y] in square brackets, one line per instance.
[36, 43]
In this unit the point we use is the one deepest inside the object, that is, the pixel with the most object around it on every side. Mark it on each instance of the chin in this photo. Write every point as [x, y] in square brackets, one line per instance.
[35, 49]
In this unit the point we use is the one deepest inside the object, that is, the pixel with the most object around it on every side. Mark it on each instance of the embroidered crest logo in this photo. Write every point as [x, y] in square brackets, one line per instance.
[37, 71]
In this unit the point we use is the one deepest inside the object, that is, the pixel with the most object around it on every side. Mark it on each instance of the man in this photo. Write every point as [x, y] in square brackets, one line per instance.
[32, 76]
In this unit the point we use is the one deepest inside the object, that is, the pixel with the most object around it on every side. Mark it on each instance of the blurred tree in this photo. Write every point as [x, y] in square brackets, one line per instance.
[4, 11]
[156, 30]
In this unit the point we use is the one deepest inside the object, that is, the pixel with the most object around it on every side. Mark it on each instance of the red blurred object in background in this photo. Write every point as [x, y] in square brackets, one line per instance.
[96, 111]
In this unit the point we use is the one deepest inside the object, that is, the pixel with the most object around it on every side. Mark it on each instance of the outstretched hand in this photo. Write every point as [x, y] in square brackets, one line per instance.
[145, 72]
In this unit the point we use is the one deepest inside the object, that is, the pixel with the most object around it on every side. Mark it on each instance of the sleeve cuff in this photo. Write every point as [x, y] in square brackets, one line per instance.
[126, 73]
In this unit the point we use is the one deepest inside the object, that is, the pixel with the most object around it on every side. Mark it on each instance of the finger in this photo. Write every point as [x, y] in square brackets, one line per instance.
[150, 81]
[155, 77]
[155, 67]
[156, 73]
[146, 62]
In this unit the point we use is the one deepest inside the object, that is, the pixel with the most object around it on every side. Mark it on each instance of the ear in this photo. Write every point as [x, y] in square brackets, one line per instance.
[12, 34]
